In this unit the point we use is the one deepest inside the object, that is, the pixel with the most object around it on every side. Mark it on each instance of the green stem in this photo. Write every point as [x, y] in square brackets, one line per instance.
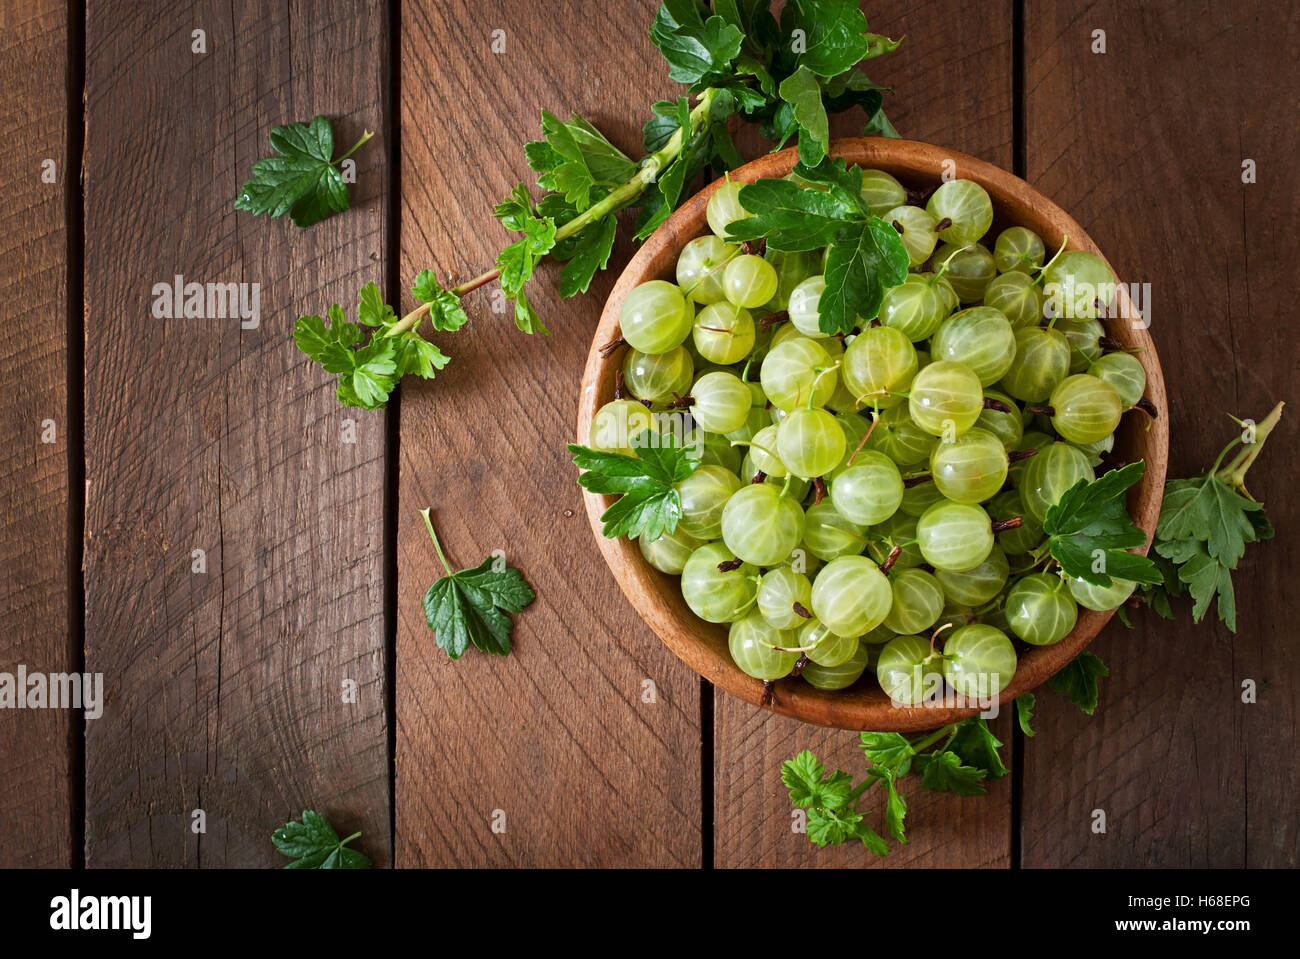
[618, 198]
[355, 147]
[862, 787]
[436, 545]
[344, 842]
[1234, 474]
[1042, 272]
[933, 738]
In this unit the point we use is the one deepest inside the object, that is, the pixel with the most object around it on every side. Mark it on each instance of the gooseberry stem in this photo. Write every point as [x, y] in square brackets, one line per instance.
[1234, 473]
[434, 536]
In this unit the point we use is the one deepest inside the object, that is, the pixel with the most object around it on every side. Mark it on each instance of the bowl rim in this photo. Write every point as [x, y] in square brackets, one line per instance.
[697, 643]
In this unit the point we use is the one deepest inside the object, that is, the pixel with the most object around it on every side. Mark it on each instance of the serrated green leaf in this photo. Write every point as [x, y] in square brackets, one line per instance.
[862, 263]
[1078, 680]
[839, 179]
[697, 50]
[418, 357]
[527, 319]
[301, 181]
[1092, 516]
[804, 94]
[589, 256]
[648, 504]
[1025, 704]
[792, 218]
[889, 751]
[445, 312]
[372, 310]
[834, 34]
[471, 606]
[313, 844]
[1207, 509]
[945, 772]
[1205, 578]
[975, 744]
[895, 810]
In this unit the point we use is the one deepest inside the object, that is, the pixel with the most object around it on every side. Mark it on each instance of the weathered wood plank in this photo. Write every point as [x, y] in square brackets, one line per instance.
[36, 791]
[966, 104]
[1149, 159]
[557, 735]
[225, 686]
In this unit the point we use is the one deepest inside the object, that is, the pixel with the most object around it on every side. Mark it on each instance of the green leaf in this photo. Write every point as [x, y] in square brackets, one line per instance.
[975, 744]
[313, 844]
[805, 776]
[1205, 577]
[895, 810]
[697, 50]
[366, 375]
[574, 159]
[373, 375]
[804, 94]
[471, 606]
[328, 344]
[302, 180]
[372, 310]
[862, 262]
[648, 502]
[833, 826]
[518, 260]
[889, 751]
[1025, 703]
[417, 356]
[842, 181]
[589, 256]
[1078, 680]
[445, 311]
[870, 838]
[1207, 509]
[515, 210]
[835, 34]
[747, 66]
[661, 126]
[654, 211]
[944, 772]
[878, 125]
[1092, 517]
[793, 218]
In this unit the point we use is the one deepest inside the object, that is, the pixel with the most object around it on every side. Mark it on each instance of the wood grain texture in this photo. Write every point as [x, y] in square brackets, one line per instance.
[966, 104]
[1150, 161]
[225, 688]
[556, 736]
[36, 789]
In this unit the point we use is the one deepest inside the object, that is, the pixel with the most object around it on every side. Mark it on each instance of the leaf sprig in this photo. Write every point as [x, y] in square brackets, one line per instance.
[966, 759]
[1090, 531]
[303, 179]
[648, 503]
[1205, 524]
[865, 255]
[313, 844]
[739, 64]
[472, 605]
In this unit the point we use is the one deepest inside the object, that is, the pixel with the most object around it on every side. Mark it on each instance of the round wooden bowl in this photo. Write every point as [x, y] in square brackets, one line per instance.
[657, 596]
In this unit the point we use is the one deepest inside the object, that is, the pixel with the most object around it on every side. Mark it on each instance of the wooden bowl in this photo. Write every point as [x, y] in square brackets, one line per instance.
[657, 596]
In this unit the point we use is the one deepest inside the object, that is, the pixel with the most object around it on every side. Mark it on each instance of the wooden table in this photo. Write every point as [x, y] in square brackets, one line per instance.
[225, 687]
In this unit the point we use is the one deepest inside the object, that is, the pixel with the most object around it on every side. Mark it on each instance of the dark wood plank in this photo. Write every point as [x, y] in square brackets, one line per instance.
[225, 688]
[36, 790]
[967, 104]
[556, 735]
[1150, 161]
